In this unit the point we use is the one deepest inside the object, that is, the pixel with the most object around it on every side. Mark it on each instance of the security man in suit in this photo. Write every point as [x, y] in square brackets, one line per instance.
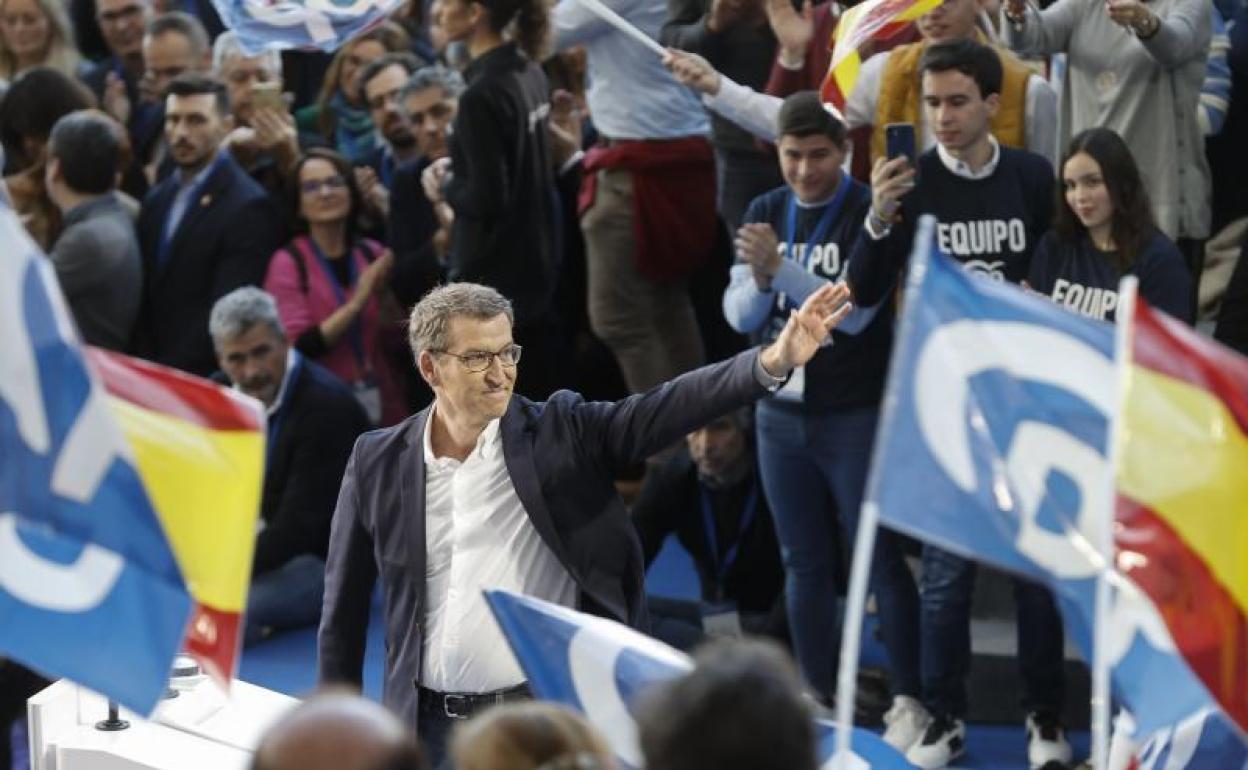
[206, 230]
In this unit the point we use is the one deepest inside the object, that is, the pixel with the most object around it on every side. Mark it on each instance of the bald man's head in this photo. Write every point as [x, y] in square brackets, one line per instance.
[338, 731]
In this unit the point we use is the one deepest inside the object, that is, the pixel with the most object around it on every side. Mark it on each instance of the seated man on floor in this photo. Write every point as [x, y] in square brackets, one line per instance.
[313, 421]
[711, 498]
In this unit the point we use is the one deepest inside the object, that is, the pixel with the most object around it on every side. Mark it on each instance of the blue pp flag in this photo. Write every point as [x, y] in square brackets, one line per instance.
[1206, 740]
[993, 446]
[89, 587]
[277, 25]
[597, 667]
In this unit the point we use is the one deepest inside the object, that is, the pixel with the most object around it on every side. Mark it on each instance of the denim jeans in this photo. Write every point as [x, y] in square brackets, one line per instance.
[810, 466]
[285, 598]
[948, 583]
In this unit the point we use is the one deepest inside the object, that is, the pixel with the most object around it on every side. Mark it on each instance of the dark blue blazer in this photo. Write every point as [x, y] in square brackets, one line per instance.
[563, 456]
[224, 241]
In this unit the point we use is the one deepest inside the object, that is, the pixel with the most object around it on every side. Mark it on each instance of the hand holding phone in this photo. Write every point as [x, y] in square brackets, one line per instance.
[267, 96]
[894, 176]
[899, 142]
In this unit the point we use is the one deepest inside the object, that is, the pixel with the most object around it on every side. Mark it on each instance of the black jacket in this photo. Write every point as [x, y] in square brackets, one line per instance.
[316, 426]
[224, 240]
[502, 187]
[410, 232]
[671, 502]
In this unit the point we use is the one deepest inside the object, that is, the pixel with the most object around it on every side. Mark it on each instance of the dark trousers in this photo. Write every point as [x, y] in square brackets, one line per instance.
[434, 728]
[947, 585]
[814, 472]
[741, 177]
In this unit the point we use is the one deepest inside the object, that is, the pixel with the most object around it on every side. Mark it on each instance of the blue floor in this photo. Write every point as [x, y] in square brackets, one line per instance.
[288, 664]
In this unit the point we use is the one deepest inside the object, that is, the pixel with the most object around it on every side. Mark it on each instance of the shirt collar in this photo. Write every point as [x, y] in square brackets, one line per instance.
[202, 174]
[292, 363]
[86, 209]
[489, 443]
[957, 167]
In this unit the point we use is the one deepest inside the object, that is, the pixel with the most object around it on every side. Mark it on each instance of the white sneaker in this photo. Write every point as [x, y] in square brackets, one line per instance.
[1046, 741]
[906, 720]
[943, 741]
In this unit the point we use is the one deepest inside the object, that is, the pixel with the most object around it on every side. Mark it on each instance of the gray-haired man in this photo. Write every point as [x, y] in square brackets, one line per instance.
[483, 490]
[313, 420]
[420, 234]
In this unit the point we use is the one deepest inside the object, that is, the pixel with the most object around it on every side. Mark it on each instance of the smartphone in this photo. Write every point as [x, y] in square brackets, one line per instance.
[268, 95]
[899, 142]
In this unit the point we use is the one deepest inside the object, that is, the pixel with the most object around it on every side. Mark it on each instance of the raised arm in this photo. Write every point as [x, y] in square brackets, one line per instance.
[628, 431]
[753, 111]
[1182, 35]
[1032, 32]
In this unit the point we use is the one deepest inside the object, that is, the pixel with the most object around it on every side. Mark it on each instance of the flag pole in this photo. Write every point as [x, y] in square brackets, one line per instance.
[1101, 665]
[851, 631]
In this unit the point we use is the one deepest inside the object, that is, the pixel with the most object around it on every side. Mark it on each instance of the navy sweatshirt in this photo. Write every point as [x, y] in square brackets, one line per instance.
[850, 374]
[1080, 277]
[990, 225]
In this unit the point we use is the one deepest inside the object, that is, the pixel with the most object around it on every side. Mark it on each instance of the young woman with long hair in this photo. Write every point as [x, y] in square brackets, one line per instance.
[1104, 229]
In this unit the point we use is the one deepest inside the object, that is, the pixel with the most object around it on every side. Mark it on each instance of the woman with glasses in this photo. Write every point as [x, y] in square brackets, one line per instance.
[331, 287]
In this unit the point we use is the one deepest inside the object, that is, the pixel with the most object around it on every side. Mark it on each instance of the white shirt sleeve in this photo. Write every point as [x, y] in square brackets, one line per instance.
[751, 110]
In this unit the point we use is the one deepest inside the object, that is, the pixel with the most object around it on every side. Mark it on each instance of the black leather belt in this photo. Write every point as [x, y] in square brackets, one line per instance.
[461, 705]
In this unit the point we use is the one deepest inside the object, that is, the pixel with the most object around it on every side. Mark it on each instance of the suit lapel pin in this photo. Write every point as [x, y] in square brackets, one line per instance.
[205, 201]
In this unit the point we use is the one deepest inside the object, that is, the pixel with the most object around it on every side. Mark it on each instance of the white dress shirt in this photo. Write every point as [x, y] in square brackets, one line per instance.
[478, 536]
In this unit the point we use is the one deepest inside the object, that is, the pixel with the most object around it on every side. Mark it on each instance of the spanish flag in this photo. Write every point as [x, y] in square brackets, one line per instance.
[1182, 507]
[872, 20]
[199, 448]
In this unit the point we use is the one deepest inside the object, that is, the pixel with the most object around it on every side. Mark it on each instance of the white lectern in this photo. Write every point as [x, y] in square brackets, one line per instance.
[200, 728]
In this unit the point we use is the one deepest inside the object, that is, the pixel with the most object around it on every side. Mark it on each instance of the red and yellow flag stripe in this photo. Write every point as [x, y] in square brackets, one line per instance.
[199, 449]
[872, 20]
[1182, 514]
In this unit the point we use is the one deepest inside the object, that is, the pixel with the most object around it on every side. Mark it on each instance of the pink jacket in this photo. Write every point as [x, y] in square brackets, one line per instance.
[305, 297]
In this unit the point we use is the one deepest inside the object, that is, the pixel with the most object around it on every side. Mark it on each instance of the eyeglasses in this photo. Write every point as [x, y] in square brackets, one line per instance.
[314, 186]
[479, 362]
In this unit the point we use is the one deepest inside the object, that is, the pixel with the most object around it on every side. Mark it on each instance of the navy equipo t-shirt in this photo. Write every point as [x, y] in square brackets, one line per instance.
[990, 225]
[851, 373]
[1084, 279]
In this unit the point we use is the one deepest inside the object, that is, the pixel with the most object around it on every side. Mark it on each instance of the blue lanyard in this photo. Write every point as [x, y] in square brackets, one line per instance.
[721, 569]
[821, 228]
[275, 419]
[355, 334]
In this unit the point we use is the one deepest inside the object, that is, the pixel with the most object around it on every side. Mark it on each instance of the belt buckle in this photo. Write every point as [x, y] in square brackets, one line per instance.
[464, 709]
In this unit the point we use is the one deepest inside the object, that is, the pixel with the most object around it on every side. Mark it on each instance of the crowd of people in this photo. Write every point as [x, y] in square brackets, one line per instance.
[368, 239]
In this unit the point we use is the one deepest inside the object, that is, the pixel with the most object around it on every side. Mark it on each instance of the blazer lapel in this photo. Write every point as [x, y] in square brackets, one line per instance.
[412, 500]
[518, 455]
[205, 198]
